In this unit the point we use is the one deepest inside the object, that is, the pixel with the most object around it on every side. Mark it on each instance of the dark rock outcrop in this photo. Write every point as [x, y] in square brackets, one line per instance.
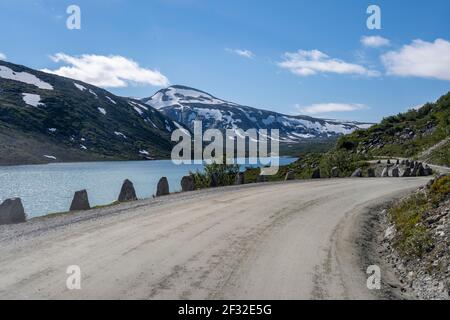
[428, 170]
[420, 170]
[316, 174]
[127, 193]
[214, 181]
[290, 175]
[12, 211]
[187, 183]
[240, 178]
[80, 201]
[406, 173]
[357, 173]
[162, 188]
[396, 172]
[415, 169]
[335, 172]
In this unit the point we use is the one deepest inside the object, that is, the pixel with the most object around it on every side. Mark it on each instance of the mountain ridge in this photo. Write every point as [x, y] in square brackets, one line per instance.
[80, 121]
[186, 104]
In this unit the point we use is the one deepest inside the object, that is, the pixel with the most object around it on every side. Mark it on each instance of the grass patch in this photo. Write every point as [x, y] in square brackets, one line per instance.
[413, 238]
[346, 162]
[57, 214]
[115, 203]
[440, 156]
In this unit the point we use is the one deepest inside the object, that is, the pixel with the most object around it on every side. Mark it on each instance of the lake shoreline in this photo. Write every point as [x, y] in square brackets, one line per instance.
[49, 188]
[8, 165]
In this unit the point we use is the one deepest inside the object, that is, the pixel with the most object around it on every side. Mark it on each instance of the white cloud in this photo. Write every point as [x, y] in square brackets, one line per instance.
[374, 41]
[331, 107]
[106, 71]
[2, 56]
[420, 59]
[243, 53]
[307, 63]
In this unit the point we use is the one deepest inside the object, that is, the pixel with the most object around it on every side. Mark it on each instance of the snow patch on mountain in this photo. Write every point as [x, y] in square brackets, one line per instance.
[79, 86]
[33, 100]
[24, 77]
[120, 134]
[138, 111]
[179, 126]
[168, 128]
[111, 100]
[135, 104]
[93, 93]
[179, 95]
[209, 113]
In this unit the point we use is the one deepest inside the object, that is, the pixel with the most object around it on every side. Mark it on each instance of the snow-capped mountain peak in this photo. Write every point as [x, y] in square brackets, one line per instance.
[180, 95]
[186, 105]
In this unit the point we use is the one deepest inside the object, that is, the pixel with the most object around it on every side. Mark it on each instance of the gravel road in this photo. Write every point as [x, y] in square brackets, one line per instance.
[292, 240]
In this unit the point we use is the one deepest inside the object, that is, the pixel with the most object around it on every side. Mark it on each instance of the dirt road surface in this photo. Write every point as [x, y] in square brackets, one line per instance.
[292, 240]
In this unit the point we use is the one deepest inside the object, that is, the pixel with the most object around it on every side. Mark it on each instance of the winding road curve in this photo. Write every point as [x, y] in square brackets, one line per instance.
[291, 240]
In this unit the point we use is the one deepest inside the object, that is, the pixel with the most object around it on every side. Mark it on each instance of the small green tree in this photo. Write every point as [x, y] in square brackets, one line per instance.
[224, 173]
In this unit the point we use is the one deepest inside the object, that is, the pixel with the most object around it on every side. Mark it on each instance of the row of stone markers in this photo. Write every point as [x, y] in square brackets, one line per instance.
[405, 168]
[12, 210]
[290, 175]
[127, 193]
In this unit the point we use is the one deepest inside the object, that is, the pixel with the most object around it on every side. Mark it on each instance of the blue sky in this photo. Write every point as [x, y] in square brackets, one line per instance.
[246, 51]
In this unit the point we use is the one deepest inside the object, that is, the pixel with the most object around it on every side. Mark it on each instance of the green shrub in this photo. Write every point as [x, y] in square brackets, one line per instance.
[225, 173]
[428, 126]
[441, 156]
[440, 190]
[348, 142]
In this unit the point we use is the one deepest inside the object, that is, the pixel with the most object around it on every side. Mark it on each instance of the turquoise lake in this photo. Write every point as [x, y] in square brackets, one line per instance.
[49, 188]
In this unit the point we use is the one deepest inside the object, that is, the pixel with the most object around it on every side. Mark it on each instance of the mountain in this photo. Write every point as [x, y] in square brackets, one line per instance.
[46, 118]
[185, 105]
[422, 133]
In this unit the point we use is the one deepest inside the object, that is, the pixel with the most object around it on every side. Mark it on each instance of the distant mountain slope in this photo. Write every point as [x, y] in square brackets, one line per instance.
[70, 120]
[417, 133]
[185, 105]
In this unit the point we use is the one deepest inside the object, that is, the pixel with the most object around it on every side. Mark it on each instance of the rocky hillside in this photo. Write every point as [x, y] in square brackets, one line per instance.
[416, 240]
[46, 118]
[422, 133]
[185, 105]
